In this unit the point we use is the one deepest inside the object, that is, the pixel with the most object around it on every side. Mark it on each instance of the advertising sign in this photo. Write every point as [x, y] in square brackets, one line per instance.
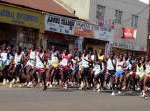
[85, 29]
[59, 24]
[124, 46]
[129, 33]
[18, 16]
[105, 34]
[129, 46]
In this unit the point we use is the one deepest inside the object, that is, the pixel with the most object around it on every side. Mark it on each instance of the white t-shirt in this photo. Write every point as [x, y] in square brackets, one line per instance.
[17, 59]
[64, 61]
[85, 63]
[92, 57]
[147, 68]
[54, 59]
[110, 64]
[39, 63]
[4, 56]
[119, 66]
[33, 55]
[98, 69]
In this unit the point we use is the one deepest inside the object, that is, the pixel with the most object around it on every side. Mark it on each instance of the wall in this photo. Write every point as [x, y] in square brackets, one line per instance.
[81, 7]
[129, 8]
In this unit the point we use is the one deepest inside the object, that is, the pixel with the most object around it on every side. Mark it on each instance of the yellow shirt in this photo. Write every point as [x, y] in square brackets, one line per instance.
[101, 57]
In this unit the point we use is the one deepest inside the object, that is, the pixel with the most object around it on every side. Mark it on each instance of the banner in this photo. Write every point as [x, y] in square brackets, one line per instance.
[85, 29]
[18, 16]
[129, 46]
[129, 33]
[59, 24]
[105, 34]
[64, 25]
[124, 46]
[83, 32]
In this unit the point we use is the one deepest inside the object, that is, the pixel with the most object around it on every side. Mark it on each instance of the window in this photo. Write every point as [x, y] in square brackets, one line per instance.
[118, 16]
[100, 11]
[134, 23]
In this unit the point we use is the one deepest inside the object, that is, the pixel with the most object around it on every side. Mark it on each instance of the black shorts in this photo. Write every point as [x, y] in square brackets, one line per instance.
[111, 72]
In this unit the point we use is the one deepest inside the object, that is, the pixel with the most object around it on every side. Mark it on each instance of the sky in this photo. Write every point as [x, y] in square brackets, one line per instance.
[144, 1]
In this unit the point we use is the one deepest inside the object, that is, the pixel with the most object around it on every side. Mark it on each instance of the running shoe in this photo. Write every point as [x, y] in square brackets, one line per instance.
[119, 92]
[98, 90]
[113, 93]
[65, 87]
[50, 86]
[18, 80]
[30, 85]
[11, 83]
[7, 81]
[124, 88]
[20, 86]
[138, 89]
[4, 81]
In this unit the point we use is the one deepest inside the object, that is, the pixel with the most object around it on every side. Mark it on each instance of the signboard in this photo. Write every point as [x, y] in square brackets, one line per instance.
[59, 24]
[105, 34]
[129, 33]
[128, 46]
[64, 25]
[124, 45]
[83, 32]
[85, 29]
[18, 16]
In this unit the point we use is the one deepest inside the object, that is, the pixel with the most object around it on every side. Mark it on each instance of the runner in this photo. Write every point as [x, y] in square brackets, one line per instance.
[111, 70]
[30, 65]
[120, 65]
[17, 66]
[98, 72]
[140, 74]
[65, 67]
[146, 77]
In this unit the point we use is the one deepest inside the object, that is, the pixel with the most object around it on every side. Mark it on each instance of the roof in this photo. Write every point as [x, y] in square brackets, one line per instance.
[50, 6]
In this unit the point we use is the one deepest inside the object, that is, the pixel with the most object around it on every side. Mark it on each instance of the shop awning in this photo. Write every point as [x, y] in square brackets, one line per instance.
[50, 6]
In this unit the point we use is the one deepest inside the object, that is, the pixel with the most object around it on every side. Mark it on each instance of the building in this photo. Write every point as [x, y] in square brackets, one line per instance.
[129, 18]
[20, 26]
[22, 23]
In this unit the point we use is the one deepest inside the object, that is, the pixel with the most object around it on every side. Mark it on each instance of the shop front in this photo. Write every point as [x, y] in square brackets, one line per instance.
[20, 27]
[59, 41]
[74, 34]
[59, 32]
[102, 37]
[96, 37]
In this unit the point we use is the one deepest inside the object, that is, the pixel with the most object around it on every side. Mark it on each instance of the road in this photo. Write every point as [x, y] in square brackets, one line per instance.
[57, 99]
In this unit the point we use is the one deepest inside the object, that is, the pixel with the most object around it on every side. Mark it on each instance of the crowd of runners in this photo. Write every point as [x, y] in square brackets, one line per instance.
[85, 70]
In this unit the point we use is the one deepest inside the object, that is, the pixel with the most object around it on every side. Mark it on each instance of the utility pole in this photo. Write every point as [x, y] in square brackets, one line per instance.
[148, 38]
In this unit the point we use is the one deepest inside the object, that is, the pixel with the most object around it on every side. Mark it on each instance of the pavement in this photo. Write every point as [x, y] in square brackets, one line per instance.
[58, 99]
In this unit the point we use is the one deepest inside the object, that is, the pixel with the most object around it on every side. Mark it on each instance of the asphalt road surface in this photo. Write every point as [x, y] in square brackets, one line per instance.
[57, 99]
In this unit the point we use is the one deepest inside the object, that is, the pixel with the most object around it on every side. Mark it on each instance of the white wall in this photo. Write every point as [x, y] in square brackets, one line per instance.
[80, 6]
[86, 9]
[129, 8]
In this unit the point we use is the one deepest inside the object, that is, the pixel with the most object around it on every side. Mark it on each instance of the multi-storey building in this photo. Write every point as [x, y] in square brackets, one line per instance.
[129, 18]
